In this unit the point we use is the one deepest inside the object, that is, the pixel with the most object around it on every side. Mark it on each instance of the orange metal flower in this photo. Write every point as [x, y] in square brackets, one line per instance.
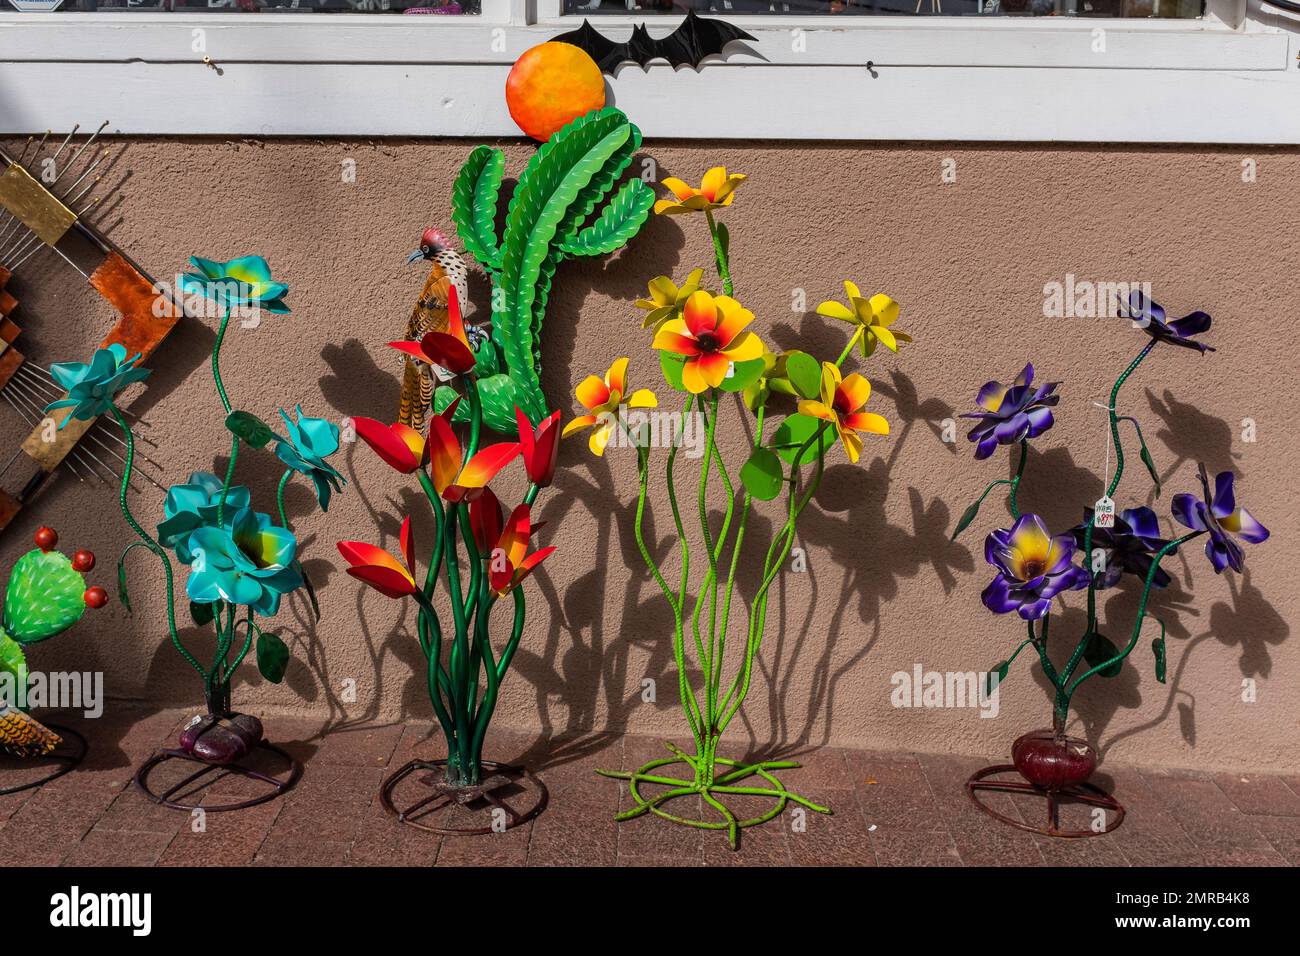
[841, 403]
[454, 478]
[509, 563]
[716, 190]
[602, 398]
[711, 334]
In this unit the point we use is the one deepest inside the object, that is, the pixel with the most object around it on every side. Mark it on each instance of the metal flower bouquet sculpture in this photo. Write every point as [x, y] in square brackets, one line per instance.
[707, 352]
[45, 595]
[241, 564]
[464, 670]
[1033, 567]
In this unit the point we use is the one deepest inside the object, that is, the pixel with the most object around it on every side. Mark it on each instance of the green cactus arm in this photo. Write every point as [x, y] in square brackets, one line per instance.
[602, 181]
[474, 205]
[547, 189]
[44, 596]
[12, 661]
[620, 220]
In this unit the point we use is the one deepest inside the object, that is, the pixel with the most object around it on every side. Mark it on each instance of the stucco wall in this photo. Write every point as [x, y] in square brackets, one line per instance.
[884, 590]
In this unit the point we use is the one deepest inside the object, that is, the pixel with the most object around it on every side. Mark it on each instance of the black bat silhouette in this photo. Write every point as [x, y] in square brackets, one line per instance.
[693, 40]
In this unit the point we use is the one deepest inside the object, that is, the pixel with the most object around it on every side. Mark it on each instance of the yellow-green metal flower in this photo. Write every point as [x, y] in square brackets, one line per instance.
[873, 316]
[666, 299]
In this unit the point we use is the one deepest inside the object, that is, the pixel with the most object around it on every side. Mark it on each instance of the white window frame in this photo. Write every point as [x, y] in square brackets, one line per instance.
[1230, 77]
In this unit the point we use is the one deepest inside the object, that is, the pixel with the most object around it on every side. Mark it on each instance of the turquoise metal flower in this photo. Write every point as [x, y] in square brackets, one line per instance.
[251, 563]
[193, 505]
[245, 281]
[92, 388]
[310, 442]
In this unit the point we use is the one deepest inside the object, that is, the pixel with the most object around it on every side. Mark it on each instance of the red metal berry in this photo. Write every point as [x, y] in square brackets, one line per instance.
[83, 561]
[46, 538]
[95, 597]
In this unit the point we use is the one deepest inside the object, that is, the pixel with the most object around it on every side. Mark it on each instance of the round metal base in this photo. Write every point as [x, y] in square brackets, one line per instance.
[1085, 793]
[278, 785]
[70, 752]
[724, 785]
[477, 799]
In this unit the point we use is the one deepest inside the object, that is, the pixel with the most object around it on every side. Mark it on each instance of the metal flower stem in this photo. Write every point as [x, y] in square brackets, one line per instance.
[454, 689]
[225, 402]
[150, 543]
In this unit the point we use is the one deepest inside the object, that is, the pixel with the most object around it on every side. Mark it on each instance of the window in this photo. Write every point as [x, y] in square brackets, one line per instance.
[1188, 71]
[443, 7]
[1164, 9]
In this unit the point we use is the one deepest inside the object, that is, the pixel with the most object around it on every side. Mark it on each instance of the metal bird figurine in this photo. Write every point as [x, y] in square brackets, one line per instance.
[429, 315]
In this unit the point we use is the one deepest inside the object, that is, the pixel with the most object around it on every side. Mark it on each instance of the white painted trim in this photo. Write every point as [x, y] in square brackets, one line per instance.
[1232, 77]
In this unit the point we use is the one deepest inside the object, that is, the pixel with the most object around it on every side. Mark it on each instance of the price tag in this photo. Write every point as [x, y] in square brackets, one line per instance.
[445, 376]
[731, 371]
[1103, 513]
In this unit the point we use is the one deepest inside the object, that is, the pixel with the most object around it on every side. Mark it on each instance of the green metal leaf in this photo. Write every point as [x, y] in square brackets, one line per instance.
[804, 373]
[966, 518]
[743, 375]
[1151, 467]
[272, 656]
[1001, 669]
[122, 596]
[672, 368]
[1099, 650]
[1158, 649]
[202, 614]
[621, 219]
[763, 475]
[724, 239]
[43, 597]
[250, 428]
[474, 198]
[797, 429]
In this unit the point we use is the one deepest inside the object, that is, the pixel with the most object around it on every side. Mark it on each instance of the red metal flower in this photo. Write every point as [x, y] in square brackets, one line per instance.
[540, 447]
[450, 349]
[381, 570]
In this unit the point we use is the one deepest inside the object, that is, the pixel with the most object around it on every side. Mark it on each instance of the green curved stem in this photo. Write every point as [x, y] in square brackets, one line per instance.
[150, 543]
[279, 496]
[1113, 416]
[1015, 482]
[777, 554]
[676, 602]
[854, 340]
[1141, 615]
[243, 651]
[719, 254]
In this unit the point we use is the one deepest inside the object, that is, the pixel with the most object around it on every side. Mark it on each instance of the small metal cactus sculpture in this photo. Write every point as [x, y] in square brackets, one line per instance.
[546, 222]
[46, 594]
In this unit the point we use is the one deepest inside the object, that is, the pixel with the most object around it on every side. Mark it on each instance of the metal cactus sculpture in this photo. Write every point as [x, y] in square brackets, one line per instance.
[548, 220]
[45, 595]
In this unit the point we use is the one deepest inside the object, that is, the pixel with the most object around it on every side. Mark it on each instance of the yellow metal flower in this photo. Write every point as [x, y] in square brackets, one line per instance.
[603, 400]
[667, 299]
[841, 404]
[873, 317]
[716, 190]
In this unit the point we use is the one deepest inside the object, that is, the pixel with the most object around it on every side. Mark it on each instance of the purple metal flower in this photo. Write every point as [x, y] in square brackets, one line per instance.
[1129, 546]
[1150, 315]
[1011, 413]
[1033, 567]
[1219, 515]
